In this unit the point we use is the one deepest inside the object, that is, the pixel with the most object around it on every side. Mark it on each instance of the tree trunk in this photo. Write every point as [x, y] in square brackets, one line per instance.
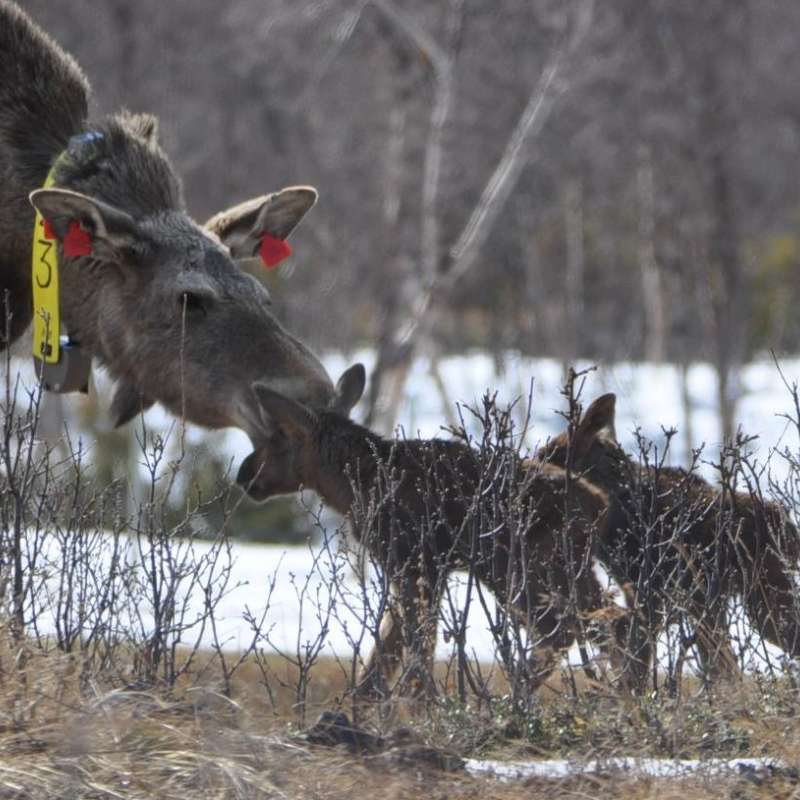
[394, 356]
[463, 256]
[655, 324]
[686, 408]
[575, 267]
[726, 288]
[718, 124]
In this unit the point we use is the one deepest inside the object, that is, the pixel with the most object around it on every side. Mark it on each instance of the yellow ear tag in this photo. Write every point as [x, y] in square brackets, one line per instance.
[46, 318]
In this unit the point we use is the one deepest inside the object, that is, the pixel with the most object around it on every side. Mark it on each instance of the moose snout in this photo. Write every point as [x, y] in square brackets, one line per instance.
[247, 475]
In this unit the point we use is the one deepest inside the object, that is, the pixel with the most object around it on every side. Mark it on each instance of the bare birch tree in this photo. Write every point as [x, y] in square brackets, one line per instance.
[443, 272]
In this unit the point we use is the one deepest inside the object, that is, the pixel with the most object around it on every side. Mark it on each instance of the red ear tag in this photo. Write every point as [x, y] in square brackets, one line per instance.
[47, 229]
[78, 241]
[273, 250]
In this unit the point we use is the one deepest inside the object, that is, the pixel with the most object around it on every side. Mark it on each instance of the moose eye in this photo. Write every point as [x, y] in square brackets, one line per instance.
[195, 303]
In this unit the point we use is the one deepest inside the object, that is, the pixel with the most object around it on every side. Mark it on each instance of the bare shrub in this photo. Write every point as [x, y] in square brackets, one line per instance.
[686, 550]
[130, 596]
[125, 596]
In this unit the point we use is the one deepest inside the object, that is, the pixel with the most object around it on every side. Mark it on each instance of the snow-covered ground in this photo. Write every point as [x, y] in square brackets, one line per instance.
[635, 767]
[300, 592]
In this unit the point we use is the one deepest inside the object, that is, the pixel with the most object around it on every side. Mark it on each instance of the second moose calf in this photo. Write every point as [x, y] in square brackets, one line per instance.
[682, 545]
[424, 508]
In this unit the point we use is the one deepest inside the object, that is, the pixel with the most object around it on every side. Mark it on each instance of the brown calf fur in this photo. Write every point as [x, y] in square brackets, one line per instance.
[416, 506]
[675, 540]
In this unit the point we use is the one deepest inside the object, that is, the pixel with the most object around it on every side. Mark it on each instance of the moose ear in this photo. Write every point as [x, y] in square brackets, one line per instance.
[349, 389]
[599, 417]
[111, 229]
[279, 410]
[242, 227]
[145, 126]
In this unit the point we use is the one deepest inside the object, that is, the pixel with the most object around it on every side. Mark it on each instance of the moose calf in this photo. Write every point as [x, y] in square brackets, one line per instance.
[676, 541]
[423, 508]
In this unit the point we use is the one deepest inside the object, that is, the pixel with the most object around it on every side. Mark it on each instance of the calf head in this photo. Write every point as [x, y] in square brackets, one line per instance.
[161, 301]
[288, 453]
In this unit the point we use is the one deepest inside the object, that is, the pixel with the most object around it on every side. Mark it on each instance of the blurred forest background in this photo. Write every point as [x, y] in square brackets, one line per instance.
[564, 178]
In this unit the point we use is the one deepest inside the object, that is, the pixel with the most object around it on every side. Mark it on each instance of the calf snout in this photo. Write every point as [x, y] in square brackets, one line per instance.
[247, 477]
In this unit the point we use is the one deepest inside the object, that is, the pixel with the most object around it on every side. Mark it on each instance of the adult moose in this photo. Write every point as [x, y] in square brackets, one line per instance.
[159, 300]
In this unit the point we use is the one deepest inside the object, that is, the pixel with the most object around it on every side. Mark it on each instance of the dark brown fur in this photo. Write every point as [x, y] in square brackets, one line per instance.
[676, 540]
[414, 504]
[125, 303]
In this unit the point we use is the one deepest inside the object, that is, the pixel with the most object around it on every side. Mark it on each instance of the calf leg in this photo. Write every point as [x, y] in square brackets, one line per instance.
[558, 627]
[717, 657]
[384, 659]
[773, 606]
[408, 624]
[554, 637]
[637, 653]
[607, 625]
[634, 634]
[420, 600]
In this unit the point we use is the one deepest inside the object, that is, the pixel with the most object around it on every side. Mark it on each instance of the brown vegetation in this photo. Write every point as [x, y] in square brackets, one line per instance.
[131, 744]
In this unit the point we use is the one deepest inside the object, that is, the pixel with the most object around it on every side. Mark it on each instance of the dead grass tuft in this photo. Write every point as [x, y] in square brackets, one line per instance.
[117, 742]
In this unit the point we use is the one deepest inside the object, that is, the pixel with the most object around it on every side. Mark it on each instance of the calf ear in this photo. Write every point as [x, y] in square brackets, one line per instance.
[597, 419]
[349, 389]
[242, 227]
[110, 229]
[283, 412]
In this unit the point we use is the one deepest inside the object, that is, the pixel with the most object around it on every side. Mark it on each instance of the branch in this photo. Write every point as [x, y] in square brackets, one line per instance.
[429, 224]
[343, 33]
[504, 178]
[501, 184]
[419, 38]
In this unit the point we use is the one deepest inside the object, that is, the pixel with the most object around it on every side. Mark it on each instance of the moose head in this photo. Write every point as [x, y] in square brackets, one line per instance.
[288, 451]
[162, 301]
[157, 299]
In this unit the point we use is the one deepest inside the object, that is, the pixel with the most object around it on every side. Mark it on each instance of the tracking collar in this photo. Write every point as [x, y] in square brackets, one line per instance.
[60, 362]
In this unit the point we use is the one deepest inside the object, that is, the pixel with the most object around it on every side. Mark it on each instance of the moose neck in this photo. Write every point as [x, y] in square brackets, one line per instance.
[348, 462]
[607, 467]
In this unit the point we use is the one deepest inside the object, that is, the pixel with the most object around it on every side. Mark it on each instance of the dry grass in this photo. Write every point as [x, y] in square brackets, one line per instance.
[138, 749]
[106, 742]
